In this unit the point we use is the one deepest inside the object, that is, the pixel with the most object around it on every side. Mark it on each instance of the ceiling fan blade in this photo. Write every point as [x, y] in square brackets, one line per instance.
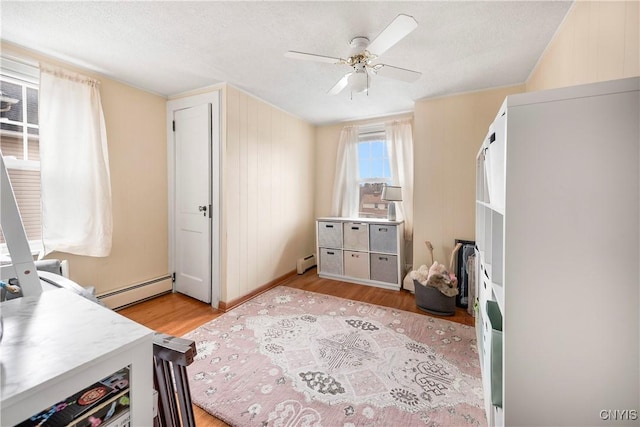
[342, 83]
[395, 31]
[313, 57]
[397, 73]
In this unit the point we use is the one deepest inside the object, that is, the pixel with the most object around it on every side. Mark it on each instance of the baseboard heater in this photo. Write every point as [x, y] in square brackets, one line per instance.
[306, 263]
[130, 295]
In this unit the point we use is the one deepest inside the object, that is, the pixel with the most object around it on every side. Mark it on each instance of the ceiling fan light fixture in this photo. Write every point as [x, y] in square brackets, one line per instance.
[359, 82]
[364, 53]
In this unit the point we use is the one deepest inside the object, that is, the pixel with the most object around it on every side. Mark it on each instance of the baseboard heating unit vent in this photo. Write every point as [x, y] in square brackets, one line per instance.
[306, 263]
[130, 295]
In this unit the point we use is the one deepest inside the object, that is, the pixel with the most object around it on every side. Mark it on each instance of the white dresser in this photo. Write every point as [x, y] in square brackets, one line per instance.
[364, 251]
[557, 231]
[58, 343]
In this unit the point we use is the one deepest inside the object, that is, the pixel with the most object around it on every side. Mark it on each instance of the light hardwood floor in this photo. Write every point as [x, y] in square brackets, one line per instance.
[177, 314]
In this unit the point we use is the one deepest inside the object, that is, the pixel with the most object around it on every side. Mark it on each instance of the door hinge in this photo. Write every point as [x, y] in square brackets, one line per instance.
[173, 277]
[174, 125]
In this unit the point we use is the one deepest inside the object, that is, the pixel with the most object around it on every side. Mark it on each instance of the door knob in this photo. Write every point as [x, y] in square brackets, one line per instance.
[203, 209]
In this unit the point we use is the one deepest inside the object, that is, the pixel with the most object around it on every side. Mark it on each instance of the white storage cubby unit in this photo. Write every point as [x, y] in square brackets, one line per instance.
[364, 251]
[557, 231]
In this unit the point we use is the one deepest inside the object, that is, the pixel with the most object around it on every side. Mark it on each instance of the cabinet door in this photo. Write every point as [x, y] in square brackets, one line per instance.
[330, 261]
[383, 238]
[329, 234]
[356, 236]
[384, 268]
[356, 264]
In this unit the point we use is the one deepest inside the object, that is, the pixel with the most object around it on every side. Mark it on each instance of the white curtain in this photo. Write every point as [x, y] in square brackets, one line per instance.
[74, 165]
[400, 147]
[345, 185]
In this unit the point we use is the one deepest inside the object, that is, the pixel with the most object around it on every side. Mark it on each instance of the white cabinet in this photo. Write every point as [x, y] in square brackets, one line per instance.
[557, 231]
[362, 251]
[59, 343]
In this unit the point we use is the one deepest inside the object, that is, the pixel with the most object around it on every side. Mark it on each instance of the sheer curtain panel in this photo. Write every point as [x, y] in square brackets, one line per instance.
[400, 148]
[74, 165]
[345, 185]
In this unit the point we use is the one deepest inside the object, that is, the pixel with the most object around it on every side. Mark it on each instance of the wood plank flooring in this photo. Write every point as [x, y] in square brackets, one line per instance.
[177, 314]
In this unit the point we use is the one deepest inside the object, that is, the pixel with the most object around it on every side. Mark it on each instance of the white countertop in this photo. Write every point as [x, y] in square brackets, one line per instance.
[359, 220]
[54, 334]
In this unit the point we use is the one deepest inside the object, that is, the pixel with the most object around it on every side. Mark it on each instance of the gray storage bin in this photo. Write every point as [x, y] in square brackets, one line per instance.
[356, 236]
[329, 234]
[330, 261]
[495, 320]
[383, 238]
[384, 268]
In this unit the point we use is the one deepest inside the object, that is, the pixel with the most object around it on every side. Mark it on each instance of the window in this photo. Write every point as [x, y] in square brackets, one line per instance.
[19, 142]
[373, 172]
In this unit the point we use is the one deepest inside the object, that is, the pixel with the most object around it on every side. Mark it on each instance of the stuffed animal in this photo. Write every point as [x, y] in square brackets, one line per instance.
[437, 275]
[442, 280]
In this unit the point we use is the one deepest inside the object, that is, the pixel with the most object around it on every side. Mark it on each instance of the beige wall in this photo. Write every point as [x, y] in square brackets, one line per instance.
[447, 135]
[268, 193]
[598, 41]
[136, 135]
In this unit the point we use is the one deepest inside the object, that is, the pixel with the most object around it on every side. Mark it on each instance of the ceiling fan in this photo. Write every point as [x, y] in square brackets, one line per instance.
[364, 53]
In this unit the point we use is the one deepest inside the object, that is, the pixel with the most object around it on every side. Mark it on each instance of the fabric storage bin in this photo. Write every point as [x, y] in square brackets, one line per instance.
[495, 352]
[329, 234]
[330, 261]
[356, 264]
[356, 236]
[384, 268]
[383, 238]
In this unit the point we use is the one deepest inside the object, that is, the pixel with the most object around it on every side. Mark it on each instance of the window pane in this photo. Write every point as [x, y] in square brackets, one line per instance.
[26, 186]
[10, 127]
[364, 150]
[34, 149]
[12, 91]
[364, 168]
[373, 162]
[376, 166]
[378, 149]
[11, 146]
[371, 206]
[32, 106]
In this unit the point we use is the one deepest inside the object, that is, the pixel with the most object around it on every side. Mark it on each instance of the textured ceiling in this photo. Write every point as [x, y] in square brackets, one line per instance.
[169, 47]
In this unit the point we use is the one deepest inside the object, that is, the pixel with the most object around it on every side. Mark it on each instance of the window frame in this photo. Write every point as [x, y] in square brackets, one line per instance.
[370, 134]
[27, 75]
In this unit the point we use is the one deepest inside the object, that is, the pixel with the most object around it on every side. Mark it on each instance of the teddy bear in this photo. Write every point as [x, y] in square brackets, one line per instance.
[441, 279]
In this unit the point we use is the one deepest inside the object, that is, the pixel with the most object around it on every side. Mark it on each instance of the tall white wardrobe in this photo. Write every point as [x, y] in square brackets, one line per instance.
[558, 231]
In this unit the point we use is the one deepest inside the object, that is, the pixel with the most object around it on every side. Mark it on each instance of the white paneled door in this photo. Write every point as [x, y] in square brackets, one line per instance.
[192, 133]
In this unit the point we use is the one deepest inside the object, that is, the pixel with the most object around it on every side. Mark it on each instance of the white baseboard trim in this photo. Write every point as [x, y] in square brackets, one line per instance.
[136, 293]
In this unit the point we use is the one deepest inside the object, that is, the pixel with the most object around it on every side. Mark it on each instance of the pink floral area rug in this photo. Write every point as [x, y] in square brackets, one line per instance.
[295, 358]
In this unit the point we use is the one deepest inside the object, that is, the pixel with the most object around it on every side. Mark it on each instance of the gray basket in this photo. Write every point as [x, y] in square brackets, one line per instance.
[433, 301]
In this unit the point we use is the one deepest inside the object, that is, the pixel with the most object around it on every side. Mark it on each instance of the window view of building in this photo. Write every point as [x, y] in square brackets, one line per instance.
[374, 172]
[19, 143]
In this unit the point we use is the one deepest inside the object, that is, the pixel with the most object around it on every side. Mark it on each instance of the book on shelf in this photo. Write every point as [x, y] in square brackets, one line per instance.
[105, 398]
